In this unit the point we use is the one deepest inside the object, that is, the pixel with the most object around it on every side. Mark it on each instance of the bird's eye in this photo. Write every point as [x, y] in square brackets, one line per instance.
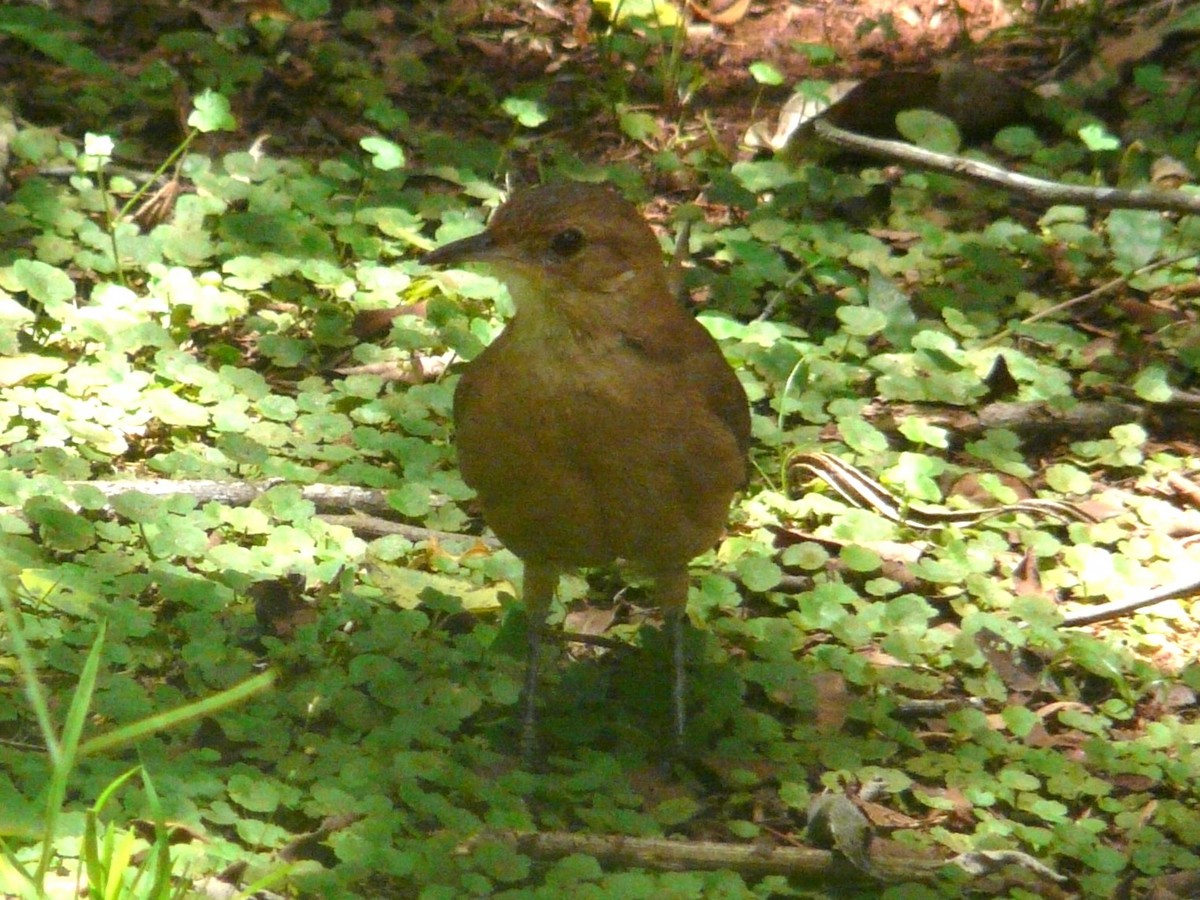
[566, 243]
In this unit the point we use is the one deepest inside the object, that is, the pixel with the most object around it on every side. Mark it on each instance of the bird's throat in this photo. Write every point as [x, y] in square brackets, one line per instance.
[548, 338]
[563, 322]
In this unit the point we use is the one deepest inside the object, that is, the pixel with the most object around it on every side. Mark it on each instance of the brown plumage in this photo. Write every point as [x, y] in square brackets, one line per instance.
[603, 423]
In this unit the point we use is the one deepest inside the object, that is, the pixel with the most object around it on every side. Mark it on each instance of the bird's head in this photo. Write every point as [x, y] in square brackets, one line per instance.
[571, 253]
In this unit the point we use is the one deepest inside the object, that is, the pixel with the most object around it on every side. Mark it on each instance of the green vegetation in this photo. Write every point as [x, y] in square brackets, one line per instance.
[194, 686]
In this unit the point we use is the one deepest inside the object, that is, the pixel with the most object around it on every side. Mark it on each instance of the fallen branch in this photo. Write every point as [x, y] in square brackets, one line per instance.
[891, 862]
[1045, 193]
[325, 497]
[1032, 421]
[751, 860]
[366, 511]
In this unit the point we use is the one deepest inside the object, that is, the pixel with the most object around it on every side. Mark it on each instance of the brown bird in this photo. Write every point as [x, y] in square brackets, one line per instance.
[603, 423]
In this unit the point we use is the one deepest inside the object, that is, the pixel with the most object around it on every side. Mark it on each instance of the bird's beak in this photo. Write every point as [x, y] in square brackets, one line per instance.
[475, 248]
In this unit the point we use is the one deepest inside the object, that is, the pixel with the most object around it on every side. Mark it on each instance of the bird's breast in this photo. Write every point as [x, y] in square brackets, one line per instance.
[593, 453]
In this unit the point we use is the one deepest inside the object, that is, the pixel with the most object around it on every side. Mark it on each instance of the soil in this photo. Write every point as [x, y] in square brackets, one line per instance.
[422, 54]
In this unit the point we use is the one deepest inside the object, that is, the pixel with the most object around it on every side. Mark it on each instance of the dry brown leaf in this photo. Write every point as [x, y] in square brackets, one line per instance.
[833, 701]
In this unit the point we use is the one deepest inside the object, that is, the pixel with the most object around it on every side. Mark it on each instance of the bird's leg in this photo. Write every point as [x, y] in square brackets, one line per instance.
[672, 589]
[679, 681]
[540, 581]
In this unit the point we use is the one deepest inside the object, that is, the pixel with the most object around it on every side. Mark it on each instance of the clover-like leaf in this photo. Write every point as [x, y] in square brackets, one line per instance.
[528, 111]
[211, 112]
[385, 155]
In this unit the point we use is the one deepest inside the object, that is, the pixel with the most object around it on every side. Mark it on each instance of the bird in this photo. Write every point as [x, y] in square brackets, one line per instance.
[603, 423]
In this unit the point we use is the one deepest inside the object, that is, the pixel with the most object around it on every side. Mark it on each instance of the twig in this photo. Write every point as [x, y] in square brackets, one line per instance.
[375, 526]
[1118, 608]
[1095, 292]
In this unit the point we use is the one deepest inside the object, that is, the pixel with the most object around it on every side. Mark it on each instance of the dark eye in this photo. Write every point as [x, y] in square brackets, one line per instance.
[566, 243]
